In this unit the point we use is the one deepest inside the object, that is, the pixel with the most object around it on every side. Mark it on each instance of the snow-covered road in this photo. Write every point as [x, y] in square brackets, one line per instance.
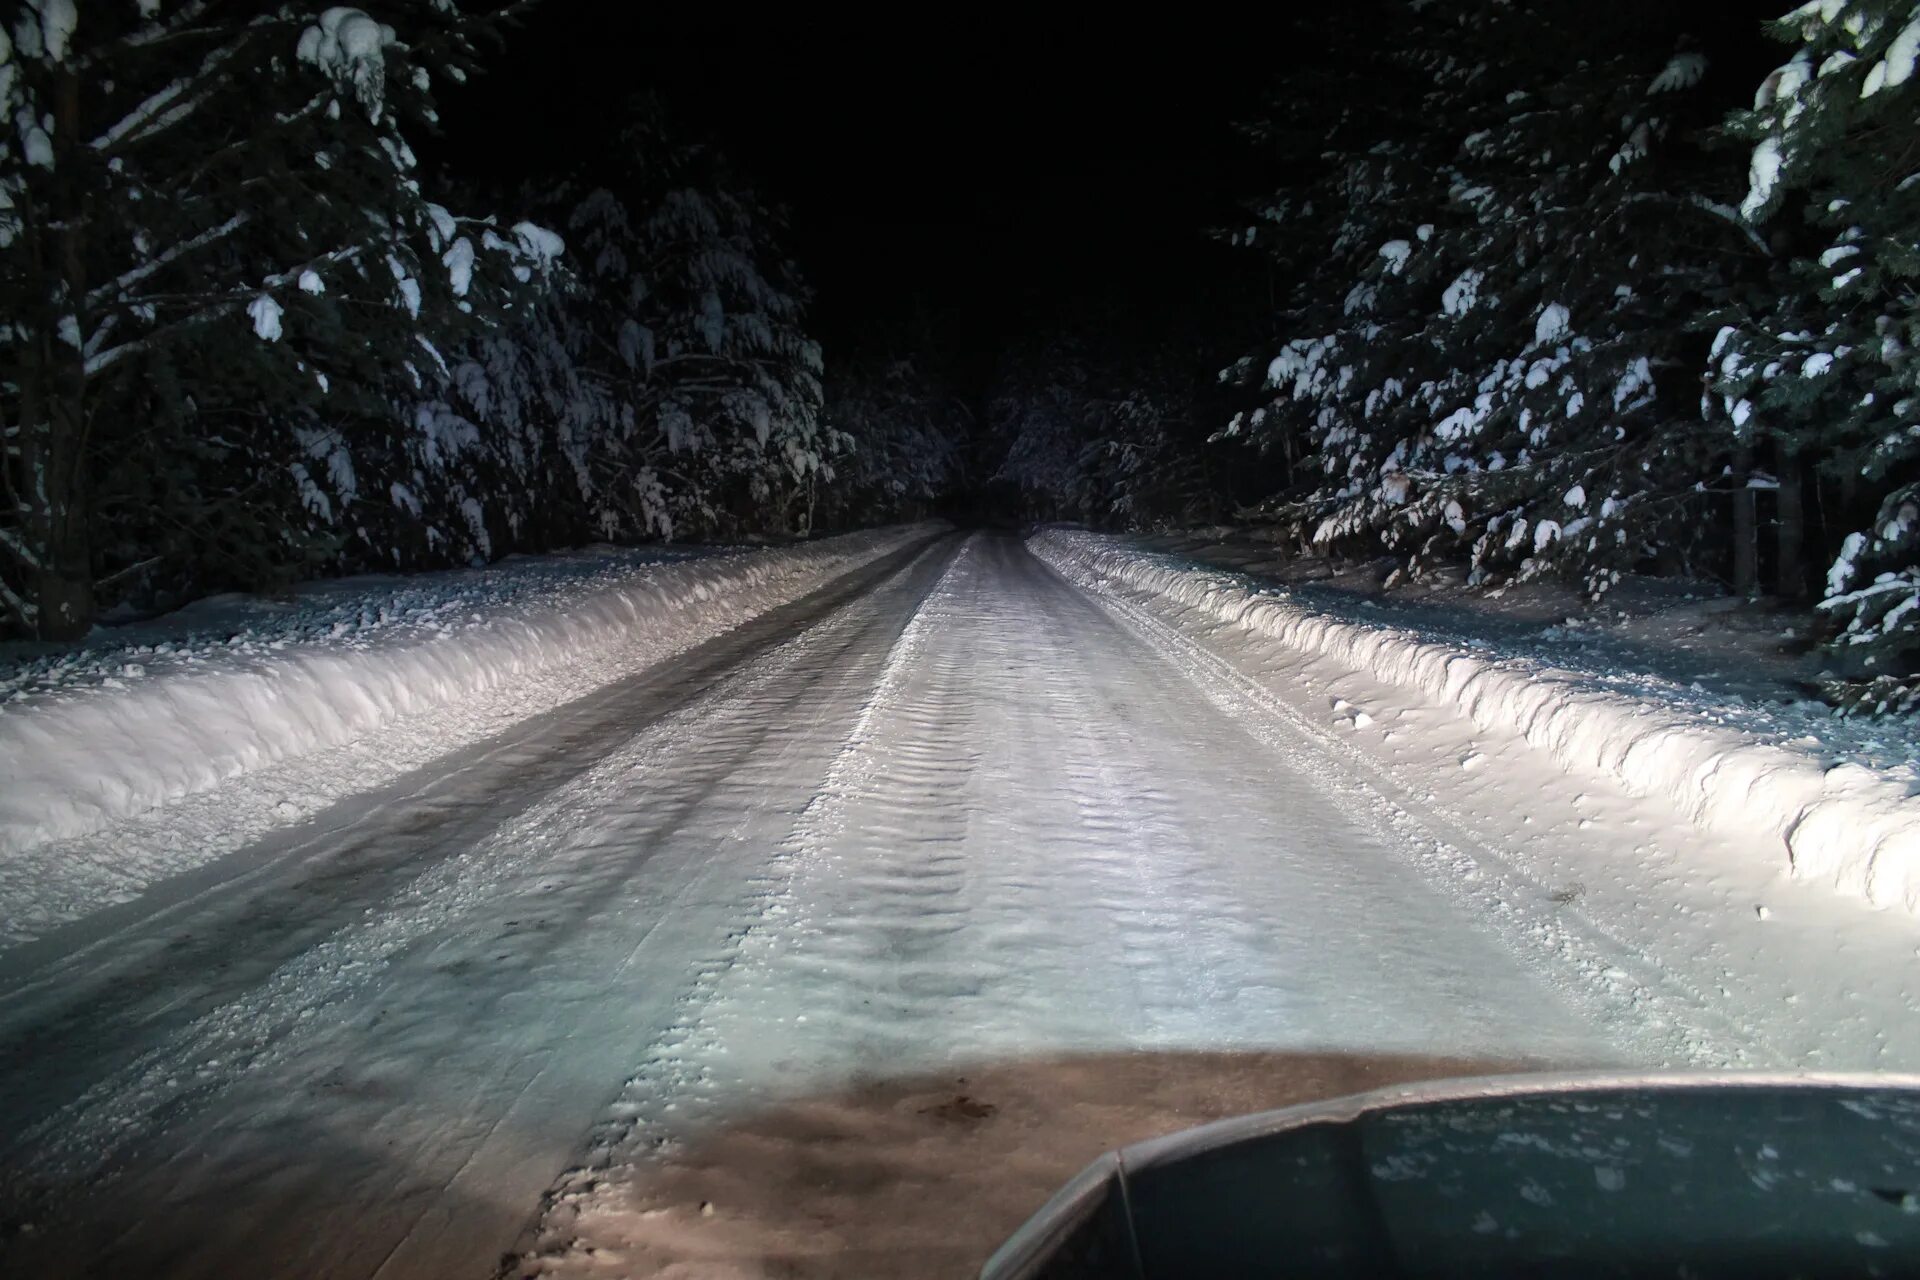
[829, 948]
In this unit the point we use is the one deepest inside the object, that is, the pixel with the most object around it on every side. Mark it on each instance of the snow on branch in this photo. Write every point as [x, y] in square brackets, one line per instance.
[169, 106]
[116, 288]
[18, 549]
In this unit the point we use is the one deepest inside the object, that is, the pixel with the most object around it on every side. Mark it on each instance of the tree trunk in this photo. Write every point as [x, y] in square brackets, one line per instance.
[53, 457]
[1791, 533]
[66, 570]
[1746, 546]
[65, 586]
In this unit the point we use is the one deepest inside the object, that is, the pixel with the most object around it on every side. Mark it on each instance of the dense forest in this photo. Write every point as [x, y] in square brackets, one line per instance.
[1555, 296]
[1584, 319]
[1528, 289]
[253, 341]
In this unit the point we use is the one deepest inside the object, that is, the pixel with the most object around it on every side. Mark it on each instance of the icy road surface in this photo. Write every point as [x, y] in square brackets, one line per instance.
[830, 948]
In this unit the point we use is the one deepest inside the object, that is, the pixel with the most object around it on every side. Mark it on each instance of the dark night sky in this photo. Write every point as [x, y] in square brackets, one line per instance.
[994, 172]
[989, 173]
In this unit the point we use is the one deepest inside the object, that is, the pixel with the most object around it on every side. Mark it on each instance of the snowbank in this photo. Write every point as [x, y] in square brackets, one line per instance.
[77, 760]
[1847, 825]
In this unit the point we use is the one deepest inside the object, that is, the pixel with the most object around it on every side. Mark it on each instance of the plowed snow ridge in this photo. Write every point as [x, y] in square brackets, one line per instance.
[202, 758]
[1846, 825]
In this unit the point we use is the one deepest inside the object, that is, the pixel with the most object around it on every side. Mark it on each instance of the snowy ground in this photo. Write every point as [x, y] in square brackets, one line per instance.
[161, 747]
[349, 612]
[1778, 779]
[834, 945]
[1750, 664]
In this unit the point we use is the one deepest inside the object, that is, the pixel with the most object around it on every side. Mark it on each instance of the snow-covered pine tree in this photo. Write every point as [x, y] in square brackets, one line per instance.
[1036, 412]
[1346, 143]
[669, 387]
[721, 341]
[1105, 430]
[1489, 361]
[216, 201]
[1822, 365]
[906, 430]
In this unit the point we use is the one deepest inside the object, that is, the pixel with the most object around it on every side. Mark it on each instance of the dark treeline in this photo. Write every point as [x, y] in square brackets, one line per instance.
[1534, 288]
[252, 340]
[1558, 292]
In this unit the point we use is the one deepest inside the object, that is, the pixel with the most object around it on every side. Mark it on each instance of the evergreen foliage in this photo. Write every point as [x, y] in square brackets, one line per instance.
[219, 265]
[903, 429]
[1820, 365]
[666, 386]
[1489, 354]
[246, 345]
[1107, 431]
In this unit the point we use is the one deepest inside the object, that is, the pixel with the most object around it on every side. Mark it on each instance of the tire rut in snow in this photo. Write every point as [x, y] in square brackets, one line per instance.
[98, 994]
[677, 1074]
[1038, 842]
[519, 932]
[1652, 1009]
